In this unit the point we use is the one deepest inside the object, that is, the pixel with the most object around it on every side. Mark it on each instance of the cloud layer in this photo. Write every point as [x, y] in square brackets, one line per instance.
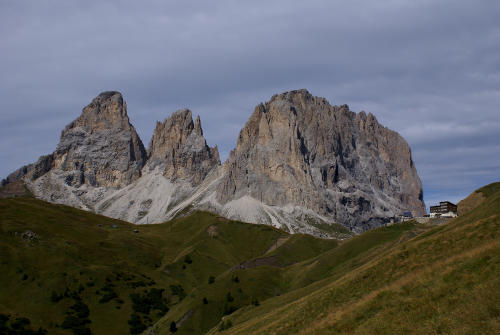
[427, 69]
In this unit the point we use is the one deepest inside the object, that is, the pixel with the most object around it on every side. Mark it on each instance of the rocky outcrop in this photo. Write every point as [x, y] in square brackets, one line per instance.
[299, 150]
[14, 189]
[99, 148]
[179, 160]
[32, 171]
[179, 147]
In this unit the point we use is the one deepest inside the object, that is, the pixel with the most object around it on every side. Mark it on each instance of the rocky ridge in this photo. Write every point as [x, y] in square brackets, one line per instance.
[299, 163]
[179, 160]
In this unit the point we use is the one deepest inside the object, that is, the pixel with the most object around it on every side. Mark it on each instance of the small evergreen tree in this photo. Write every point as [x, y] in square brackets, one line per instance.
[55, 297]
[173, 327]
[229, 297]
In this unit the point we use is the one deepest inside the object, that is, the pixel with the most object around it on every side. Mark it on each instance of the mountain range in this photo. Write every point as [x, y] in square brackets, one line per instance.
[300, 164]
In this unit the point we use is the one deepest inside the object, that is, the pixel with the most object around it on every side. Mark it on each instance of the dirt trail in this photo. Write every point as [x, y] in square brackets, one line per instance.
[263, 261]
[184, 317]
[279, 242]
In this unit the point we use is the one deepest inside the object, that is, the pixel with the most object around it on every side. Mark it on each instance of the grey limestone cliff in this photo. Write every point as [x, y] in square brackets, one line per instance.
[299, 150]
[99, 148]
[179, 146]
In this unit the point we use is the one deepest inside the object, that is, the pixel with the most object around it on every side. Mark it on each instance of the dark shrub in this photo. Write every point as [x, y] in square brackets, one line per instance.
[178, 290]
[20, 323]
[135, 324]
[229, 297]
[54, 297]
[77, 318]
[153, 299]
[173, 327]
[229, 309]
[107, 297]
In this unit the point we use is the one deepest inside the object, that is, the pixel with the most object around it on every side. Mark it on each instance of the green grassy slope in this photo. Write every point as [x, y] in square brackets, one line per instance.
[74, 272]
[282, 278]
[443, 280]
[65, 268]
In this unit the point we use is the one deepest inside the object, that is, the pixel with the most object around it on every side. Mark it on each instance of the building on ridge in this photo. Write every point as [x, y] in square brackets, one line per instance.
[444, 209]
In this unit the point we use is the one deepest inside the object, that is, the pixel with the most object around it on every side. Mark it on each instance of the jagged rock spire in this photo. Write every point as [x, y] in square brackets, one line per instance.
[197, 126]
[179, 146]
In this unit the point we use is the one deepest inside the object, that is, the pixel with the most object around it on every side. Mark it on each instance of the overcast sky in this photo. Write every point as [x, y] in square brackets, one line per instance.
[429, 69]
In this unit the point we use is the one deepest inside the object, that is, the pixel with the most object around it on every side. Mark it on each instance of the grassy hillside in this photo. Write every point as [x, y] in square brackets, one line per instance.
[444, 280]
[70, 271]
[74, 272]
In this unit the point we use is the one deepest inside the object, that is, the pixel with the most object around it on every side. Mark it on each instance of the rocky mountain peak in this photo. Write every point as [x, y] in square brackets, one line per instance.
[101, 147]
[296, 100]
[178, 145]
[107, 110]
[295, 95]
[299, 150]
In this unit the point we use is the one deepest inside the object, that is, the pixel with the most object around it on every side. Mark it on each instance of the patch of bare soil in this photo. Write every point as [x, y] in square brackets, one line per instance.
[212, 231]
[257, 262]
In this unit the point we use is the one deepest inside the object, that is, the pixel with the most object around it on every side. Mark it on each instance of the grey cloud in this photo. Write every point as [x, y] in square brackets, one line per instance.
[428, 69]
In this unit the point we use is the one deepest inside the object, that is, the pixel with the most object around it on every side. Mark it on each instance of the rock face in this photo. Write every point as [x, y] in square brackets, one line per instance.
[179, 146]
[179, 160]
[299, 164]
[99, 148]
[101, 165]
[299, 150]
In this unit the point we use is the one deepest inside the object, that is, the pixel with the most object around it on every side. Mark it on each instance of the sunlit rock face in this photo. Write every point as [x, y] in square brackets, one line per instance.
[298, 149]
[101, 147]
[179, 146]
